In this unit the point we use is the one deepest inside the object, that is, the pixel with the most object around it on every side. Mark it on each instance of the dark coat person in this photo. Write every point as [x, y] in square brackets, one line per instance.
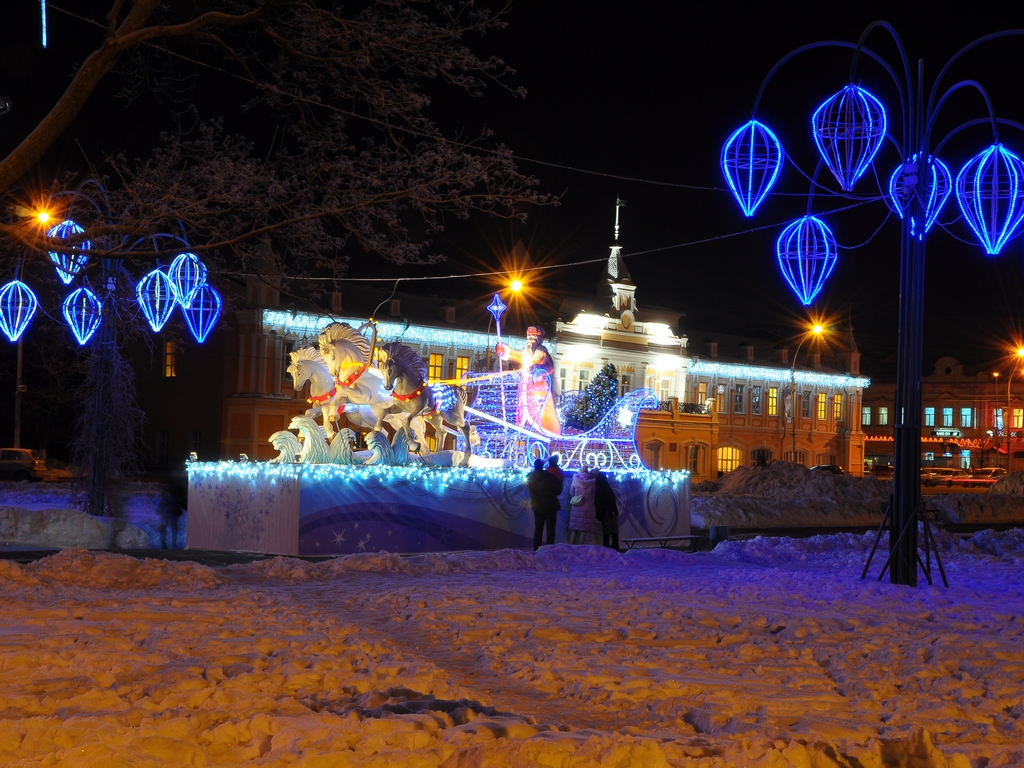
[544, 489]
[606, 509]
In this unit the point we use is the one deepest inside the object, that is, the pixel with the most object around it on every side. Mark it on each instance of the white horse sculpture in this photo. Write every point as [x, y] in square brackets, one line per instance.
[308, 365]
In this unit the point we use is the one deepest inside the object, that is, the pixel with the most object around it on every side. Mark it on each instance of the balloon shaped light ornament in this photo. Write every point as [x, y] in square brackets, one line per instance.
[203, 313]
[931, 180]
[849, 129]
[83, 310]
[68, 262]
[990, 192]
[188, 274]
[157, 297]
[751, 162]
[17, 305]
[807, 255]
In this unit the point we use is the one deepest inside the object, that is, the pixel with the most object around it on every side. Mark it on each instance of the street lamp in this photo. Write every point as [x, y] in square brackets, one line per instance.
[1008, 418]
[849, 130]
[814, 331]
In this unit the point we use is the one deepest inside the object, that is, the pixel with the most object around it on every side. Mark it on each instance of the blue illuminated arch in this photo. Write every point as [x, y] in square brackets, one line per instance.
[938, 184]
[17, 305]
[83, 311]
[807, 254]
[848, 130]
[204, 311]
[751, 162]
[157, 298]
[68, 263]
[990, 194]
[188, 274]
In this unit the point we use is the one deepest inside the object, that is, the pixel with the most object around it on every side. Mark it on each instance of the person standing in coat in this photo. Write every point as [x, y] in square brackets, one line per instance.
[606, 510]
[544, 489]
[582, 513]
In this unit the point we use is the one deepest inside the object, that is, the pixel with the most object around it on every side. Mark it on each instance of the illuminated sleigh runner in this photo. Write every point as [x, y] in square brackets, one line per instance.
[508, 425]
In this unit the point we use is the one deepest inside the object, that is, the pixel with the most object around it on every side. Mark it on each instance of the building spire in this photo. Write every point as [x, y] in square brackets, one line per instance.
[617, 272]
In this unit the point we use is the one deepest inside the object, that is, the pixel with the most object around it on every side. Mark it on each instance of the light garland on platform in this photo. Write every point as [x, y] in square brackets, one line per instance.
[440, 477]
[305, 323]
[757, 373]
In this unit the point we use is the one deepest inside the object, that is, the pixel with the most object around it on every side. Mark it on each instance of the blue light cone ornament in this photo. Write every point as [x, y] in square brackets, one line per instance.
[848, 130]
[157, 298]
[83, 311]
[203, 313]
[990, 192]
[17, 305]
[807, 254]
[68, 262]
[751, 161]
[188, 274]
[934, 184]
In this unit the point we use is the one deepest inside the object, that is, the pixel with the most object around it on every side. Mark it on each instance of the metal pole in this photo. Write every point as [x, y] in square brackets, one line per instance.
[792, 394]
[17, 400]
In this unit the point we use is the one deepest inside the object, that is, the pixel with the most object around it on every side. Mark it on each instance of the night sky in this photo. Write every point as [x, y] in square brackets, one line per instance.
[636, 100]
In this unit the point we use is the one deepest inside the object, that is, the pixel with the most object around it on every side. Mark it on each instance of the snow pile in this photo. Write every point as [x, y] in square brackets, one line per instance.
[1011, 484]
[771, 653]
[48, 516]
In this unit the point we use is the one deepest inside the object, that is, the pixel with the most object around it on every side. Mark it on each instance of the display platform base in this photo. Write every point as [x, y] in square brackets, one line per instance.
[324, 509]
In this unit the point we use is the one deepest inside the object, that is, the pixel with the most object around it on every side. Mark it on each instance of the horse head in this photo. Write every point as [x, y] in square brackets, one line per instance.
[302, 365]
[343, 346]
[400, 361]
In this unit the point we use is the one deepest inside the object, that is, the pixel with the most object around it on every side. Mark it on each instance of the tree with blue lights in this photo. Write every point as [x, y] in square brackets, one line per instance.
[595, 401]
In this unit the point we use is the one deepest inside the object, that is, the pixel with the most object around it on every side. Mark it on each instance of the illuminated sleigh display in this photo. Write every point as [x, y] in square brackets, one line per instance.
[507, 424]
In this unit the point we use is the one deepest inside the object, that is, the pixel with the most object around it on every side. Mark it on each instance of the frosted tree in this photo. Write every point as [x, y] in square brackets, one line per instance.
[595, 401]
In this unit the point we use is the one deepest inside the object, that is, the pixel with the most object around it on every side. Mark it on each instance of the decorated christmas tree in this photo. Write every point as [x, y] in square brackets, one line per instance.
[595, 401]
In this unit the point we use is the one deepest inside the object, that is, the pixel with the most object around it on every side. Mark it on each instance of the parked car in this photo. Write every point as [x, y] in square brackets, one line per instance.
[881, 471]
[984, 476]
[835, 469]
[21, 464]
[933, 476]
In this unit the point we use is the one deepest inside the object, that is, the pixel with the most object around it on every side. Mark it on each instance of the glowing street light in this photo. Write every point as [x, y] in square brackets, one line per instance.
[516, 285]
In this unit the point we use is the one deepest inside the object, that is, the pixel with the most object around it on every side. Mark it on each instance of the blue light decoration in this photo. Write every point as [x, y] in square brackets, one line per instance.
[17, 305]
[848, 130]
[203, 313]
[497, 308]
[188, 274]
[42, 11]
[934, 179]
[751, 161]
[990, 194]
[157, 298]
[807, 255]
[68, 263]
[83, 311]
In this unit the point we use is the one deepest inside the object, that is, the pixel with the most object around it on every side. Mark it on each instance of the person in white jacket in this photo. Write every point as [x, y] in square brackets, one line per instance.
[583, 524]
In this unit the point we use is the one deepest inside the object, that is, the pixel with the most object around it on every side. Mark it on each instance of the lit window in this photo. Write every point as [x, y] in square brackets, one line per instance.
[702, 392]
[1018, 418]
[837, 407]
[170, 361]
[822, 405]
[773, 401]
[967, 417]
[883, 415]
[997, 419]
[947, 417]
[624, 382]
[755, 401]
[728, 458]
[865, 415]
[806, 407]
[929, 417]
[434, 372]
[461, 366]
[737, 399]
[720, 399]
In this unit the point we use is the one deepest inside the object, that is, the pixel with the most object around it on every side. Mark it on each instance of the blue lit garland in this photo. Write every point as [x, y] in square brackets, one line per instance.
[936, 180]
[807, 255]
[68, 263]
[83, 311]
[17, 305]
[760, 373]
[751, 161]
[157, 298]
[204, 311]
[849, 129]
[990, 195]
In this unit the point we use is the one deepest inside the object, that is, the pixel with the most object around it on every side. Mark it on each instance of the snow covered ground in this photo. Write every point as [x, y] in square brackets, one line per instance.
[769, 652]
